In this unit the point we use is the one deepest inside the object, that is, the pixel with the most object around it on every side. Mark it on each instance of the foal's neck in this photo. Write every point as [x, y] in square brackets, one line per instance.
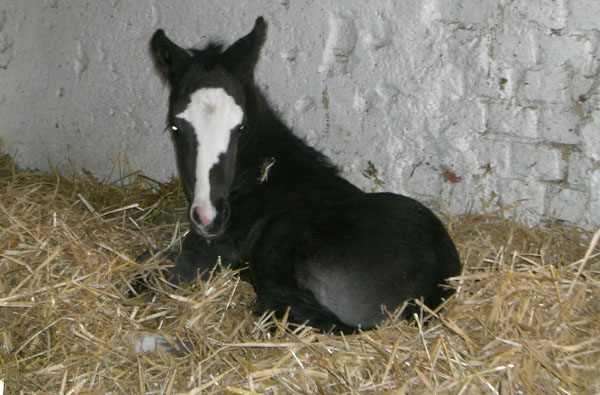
[293, 165]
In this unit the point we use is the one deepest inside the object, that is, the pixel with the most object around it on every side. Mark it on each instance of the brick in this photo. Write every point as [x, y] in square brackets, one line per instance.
[515, 45]
[463, 12]
[579, 170]
[575, 51]
[590, 137]
[593, 210]
[424, 180]
[581, 85]
[493, 154]
[568, 205]
[539, 162]
[515, 120]
[452, 82]
[467, 115]
[547, 85]
[551, 14]
[458, 198]
[559, 124]
[531, 192]
[501, 83]
[471, 54]
[341, 42]
[585, 15]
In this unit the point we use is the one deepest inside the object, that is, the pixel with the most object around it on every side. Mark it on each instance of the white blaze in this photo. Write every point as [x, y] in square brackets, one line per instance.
[213, 114]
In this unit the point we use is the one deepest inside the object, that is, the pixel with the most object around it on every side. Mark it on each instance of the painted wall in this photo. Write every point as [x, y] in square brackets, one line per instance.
[452, 102]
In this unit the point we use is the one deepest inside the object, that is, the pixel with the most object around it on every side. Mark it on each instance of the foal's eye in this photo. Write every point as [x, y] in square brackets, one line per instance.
[174, 128]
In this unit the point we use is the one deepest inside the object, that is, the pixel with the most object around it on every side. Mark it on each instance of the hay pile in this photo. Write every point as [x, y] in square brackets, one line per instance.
[525, 319]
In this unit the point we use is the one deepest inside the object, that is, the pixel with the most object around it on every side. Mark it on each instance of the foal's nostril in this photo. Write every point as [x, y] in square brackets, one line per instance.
[195, 217]
[198, 218]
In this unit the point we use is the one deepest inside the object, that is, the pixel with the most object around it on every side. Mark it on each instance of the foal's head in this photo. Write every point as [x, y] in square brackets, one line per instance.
[206, 116]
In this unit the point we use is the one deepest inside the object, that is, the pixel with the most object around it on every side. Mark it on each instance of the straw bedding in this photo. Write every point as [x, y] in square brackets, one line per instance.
[525, 318]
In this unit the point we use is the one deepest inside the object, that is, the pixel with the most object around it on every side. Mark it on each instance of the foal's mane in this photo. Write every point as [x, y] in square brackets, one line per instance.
[279, 136]
[209, 55]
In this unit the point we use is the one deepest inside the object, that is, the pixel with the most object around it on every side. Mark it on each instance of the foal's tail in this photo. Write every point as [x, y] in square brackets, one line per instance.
[304, 308]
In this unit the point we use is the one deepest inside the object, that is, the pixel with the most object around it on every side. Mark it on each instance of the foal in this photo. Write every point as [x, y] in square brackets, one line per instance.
[316, 244]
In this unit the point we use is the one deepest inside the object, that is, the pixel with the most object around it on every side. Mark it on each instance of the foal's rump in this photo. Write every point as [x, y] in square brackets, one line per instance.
[356, 255]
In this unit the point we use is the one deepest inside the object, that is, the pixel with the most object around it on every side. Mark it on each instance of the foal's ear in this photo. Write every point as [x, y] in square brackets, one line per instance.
[241, 57]
[170, 59]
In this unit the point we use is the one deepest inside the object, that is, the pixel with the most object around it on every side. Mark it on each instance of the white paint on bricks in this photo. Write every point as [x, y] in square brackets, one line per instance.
[463, 86]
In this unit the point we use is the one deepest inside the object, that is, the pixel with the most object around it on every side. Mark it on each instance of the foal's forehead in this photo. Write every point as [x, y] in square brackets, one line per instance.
[198, 78]
[211, 109]
[208, 100]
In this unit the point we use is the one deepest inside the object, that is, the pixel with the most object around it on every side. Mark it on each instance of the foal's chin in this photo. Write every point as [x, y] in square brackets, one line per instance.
[208, 235]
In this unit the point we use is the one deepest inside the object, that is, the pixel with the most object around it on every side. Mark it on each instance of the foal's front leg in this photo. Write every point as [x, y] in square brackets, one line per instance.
[197, 256]
[200, 256]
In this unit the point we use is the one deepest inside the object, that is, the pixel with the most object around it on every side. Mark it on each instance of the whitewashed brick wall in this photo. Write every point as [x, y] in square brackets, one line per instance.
[465, 103]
